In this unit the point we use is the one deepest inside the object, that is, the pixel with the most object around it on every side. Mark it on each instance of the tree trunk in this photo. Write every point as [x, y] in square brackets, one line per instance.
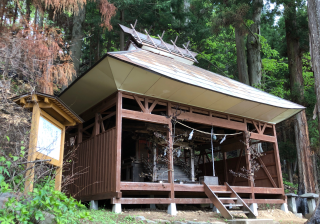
[241, 56]
[314, 34]
[76, 42]
[253, 45]
[306, 177]
[314, 39]
[121, 32]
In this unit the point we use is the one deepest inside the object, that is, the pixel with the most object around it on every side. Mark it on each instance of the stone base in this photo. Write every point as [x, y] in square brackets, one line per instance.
[94, 205]
[249, 221]
[214, 209]
[153, 206]
[299, 215]
[172, 209]
[116, 208]
[254, 208]
[284, 207]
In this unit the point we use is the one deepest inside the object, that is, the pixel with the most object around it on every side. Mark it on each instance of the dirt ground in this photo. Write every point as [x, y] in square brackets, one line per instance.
[206, 215]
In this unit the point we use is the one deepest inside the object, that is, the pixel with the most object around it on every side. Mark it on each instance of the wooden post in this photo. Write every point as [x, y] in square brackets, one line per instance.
[79, 135]
[170, 154]
[277, 159]
[247, 156]
[154, 171]
[118, 142]
[192, 165]
[58, 178]
[225, 167]
[32, 148]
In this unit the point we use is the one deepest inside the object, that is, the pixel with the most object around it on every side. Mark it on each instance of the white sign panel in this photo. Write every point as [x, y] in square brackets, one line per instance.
[49, 139]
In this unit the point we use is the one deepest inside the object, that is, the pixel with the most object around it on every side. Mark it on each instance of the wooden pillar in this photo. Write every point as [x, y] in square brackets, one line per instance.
[170, 153]
[277, 159]
[32, 148]
[154, 171]
[79, 134]
[118, 142]
[248, 157]
[192, 165]
[225, 167]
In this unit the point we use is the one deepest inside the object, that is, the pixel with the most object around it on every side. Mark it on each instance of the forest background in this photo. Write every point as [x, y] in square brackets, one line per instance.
[45, 45]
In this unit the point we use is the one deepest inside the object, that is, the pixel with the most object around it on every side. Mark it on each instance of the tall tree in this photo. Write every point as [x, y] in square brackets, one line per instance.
[306, 176]
[253, 44]
[76, 41]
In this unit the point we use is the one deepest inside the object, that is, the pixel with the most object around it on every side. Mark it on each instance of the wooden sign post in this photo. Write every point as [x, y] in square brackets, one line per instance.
[49, 120]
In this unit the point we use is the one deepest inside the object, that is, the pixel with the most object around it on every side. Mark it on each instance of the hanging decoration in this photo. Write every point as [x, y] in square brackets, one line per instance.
[204, 132]
[190, 135]
[212, 155]
[223, 139]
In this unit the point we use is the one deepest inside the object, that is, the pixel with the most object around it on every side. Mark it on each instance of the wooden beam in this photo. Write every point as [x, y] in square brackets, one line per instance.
[23, 101]
[267, 172]
[208, 120]
[153, 106]
[256, 126]
[187, 201]
[265, 138]
[153, 118]
[140, 104]
[145, 186]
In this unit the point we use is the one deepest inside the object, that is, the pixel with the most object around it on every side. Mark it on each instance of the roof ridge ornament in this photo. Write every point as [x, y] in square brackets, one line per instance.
[149, 38]
[163, 41]
[133, 29]
[186, 48]
[175, 46]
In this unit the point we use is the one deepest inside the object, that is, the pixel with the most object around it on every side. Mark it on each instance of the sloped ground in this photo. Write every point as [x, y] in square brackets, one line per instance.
[160, 216]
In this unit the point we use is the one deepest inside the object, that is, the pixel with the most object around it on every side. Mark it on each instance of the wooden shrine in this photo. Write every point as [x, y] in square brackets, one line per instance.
[128, 98]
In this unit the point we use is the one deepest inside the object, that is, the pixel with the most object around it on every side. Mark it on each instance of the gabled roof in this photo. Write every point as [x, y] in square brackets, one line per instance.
[143, 72]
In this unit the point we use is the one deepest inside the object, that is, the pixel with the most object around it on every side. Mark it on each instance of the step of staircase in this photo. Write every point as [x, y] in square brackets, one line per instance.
[227, 198]
[223, 203]
[222, 192]
[235, 212]
[233, 205]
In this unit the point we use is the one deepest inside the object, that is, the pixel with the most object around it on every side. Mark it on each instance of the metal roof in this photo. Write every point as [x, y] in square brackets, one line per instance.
[196, 76]
[143, 72]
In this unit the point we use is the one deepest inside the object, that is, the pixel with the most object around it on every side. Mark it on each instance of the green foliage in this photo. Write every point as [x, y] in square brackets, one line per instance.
[33, 207]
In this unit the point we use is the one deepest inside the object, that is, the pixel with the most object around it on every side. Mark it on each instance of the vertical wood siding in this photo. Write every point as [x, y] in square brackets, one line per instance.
[96, 163]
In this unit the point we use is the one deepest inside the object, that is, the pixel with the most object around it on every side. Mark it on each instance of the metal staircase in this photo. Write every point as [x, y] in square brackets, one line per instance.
[223, 199]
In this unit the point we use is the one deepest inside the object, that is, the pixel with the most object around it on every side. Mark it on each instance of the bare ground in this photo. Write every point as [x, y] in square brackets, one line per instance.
[208, 216]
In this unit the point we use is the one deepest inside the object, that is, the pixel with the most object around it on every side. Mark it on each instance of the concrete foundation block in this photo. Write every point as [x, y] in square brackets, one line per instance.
[214, 209]
[93, 205]
[291, 199]
[153, 206]
[284, 207]
[116, 208]
[172, 209]
[250, 221]
[298, 215]
[254, 208]
[311, 205]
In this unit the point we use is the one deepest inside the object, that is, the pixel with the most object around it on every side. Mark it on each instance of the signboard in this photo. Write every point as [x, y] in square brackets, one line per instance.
[49, 139]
